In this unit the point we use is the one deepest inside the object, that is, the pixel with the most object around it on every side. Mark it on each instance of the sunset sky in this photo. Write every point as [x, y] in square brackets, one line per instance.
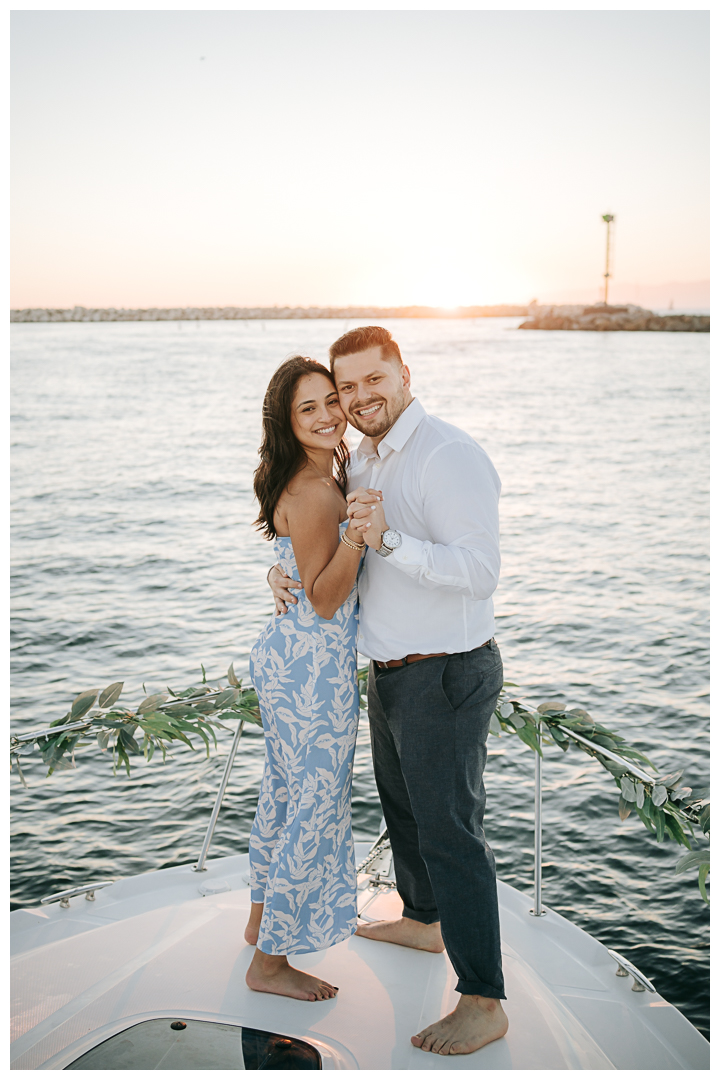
[334, 157]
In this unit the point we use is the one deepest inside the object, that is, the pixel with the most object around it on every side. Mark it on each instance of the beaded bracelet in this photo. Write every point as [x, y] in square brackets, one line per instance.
[351, 543]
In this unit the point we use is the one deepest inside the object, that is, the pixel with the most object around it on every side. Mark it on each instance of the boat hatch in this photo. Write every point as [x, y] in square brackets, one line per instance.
[198, 1044]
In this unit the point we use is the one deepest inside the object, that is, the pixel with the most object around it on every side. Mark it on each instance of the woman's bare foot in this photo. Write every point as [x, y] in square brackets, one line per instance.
[273, 975]
[474, 1022]
[408, 932]
[252, 929]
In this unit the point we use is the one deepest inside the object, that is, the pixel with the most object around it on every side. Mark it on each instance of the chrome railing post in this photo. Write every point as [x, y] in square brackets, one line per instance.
[538, 908]
[200, 865]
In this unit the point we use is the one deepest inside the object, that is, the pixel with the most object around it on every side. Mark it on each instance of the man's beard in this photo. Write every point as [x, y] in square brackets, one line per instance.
[382, 421]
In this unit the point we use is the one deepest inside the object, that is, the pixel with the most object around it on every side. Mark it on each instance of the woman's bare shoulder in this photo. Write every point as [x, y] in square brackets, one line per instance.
[311, 494]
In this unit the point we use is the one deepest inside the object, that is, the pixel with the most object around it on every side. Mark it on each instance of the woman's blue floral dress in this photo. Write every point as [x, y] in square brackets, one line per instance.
[302, 859]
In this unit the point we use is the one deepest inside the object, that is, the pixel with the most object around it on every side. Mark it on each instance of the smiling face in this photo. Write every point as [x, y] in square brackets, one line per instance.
[372, 391]
[316, 417]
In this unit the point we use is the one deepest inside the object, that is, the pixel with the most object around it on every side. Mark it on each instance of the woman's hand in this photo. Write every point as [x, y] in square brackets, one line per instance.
[280, 585]
[367, 515]
[353, 533]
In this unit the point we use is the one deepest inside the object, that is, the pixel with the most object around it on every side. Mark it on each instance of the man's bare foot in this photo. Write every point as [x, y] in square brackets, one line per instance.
[252, 930]
[408, 932]
[474, 1022]
[273, 975]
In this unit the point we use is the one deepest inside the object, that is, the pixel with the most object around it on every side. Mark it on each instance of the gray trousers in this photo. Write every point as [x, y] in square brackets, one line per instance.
[429, 724]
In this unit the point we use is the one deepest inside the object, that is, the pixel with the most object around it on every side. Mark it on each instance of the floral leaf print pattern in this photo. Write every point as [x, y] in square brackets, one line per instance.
[302, 859]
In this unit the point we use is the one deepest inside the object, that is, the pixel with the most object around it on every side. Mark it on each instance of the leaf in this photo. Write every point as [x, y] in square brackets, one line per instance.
[123, 759]
[581, 713]
[204, 707]
[551, 706]
[82, 703]
[129, 742]
[110, 695]
[625, 808]
[603, 740]
[204, 675]
[670, 780]
[702, 874]
[16, 761]
[233, 679]
[675, 828]
[527, 734]
[61, 765]
[645, 818]
[705, 820]
[176, 710]
[151, 703]
[635, 755]
[692, 858]
[250, 717]
[495, 725]
[506, 709]
[102, 739]
[558, 736]
[659, 818]
[639, 794]
[682, 793]
[227, 697]
[611, 766]
[659, 795]
[627, 787]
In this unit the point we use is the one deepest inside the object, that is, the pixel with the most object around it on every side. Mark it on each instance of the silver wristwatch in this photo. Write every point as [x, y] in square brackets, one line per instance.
[390, 541]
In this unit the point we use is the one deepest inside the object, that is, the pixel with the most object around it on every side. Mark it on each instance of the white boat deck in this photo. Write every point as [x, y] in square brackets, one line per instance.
[152, 946]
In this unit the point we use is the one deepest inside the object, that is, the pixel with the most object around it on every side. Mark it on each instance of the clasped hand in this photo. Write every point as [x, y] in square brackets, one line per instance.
[366, 515]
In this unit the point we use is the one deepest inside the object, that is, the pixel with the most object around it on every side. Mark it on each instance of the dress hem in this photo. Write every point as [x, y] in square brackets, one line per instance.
[306, 952]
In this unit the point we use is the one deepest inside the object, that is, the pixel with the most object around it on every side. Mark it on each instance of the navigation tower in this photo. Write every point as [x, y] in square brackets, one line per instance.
[609, 220]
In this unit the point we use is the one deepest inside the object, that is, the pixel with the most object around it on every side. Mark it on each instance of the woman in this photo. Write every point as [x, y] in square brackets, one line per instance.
[304, 668]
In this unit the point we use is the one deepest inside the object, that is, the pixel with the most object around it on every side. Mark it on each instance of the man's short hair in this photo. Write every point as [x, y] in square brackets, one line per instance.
[362, 339]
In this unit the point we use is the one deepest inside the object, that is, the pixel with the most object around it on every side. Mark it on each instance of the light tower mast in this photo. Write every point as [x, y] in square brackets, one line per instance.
[609, 220]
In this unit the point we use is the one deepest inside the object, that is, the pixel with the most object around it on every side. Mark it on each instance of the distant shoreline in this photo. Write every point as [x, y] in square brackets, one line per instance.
[193, 314]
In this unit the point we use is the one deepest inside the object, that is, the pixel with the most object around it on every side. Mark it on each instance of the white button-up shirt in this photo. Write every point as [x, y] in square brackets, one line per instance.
[440, 492]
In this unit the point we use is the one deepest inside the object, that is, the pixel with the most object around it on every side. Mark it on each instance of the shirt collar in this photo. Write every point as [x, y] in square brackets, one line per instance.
[398, 434]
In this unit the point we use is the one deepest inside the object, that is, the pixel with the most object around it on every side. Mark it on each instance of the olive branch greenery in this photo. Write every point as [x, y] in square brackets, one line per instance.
[158, 720]
[664, 805]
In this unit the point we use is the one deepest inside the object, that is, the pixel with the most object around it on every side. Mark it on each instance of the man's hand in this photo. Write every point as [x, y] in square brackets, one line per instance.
[281, 584]
[367, 515]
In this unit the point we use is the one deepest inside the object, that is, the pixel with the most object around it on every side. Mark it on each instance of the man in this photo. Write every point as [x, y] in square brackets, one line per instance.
[426, 622]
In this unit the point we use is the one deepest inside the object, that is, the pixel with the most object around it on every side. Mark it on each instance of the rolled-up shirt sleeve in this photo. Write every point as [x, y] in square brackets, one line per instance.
[460, 491]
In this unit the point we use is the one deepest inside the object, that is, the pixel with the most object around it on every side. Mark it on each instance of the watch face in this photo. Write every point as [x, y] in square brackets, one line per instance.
[391, 538]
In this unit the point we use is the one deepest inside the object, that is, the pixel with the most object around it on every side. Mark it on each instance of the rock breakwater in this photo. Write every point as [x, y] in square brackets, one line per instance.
[607, 317]
[191, 314]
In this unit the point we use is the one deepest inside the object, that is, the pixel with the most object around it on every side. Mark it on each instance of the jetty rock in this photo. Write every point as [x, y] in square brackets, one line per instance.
[609, 317]
[196, 314]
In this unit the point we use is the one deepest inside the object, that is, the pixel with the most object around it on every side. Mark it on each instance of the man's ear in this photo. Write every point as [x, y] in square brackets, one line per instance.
[406, 377]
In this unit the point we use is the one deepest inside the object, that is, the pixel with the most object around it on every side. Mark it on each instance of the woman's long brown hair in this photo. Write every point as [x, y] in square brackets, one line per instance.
[281, 455]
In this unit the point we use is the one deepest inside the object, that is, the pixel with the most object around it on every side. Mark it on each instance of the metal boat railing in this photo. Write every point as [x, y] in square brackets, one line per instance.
[537, 908]
[200, 864]
[66, 894]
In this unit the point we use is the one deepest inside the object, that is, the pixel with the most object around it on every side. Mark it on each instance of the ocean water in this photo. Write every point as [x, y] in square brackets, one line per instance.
[134, 558]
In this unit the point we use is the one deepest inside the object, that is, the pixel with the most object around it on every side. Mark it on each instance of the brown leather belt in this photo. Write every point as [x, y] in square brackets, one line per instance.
[412, 658]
